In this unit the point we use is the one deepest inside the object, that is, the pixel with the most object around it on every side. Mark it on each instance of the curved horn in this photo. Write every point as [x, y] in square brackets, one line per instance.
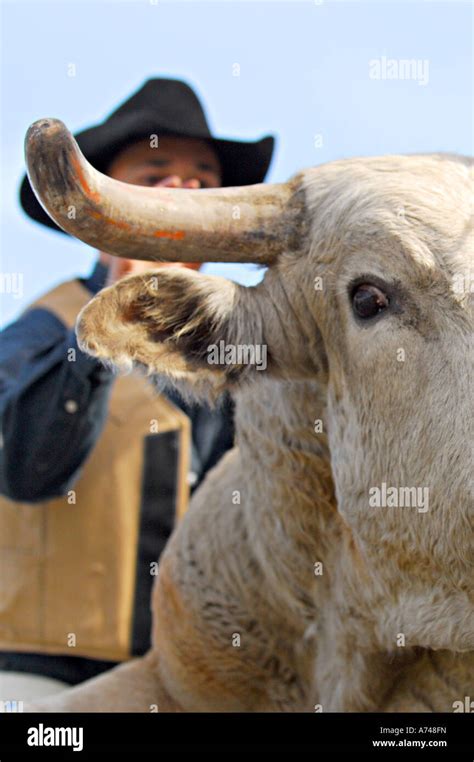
[246, 224]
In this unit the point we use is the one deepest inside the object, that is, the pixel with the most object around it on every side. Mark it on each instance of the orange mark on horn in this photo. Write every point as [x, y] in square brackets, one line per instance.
[178, 235]
[82, 180]
[110, 221]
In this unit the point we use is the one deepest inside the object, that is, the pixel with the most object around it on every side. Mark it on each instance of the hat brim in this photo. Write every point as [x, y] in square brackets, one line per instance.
[242, 162]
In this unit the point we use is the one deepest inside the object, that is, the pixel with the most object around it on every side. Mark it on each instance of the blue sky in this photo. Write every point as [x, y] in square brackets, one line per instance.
[304, 72]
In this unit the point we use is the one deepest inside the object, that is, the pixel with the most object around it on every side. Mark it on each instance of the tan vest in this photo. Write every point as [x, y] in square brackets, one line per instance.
[68, 566]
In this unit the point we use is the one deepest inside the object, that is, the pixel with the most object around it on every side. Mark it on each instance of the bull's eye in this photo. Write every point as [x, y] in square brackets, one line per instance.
[368, 301]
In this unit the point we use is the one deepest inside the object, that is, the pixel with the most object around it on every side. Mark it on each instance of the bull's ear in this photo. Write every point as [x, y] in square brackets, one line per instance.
[176, 322]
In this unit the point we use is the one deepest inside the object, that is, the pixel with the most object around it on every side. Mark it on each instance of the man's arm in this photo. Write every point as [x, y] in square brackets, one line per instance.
[53, 406]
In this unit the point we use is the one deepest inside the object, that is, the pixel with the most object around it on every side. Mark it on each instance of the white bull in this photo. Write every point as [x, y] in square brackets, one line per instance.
[293, 580]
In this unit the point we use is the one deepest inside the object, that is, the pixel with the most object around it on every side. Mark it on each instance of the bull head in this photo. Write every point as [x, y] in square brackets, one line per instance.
[368, 296]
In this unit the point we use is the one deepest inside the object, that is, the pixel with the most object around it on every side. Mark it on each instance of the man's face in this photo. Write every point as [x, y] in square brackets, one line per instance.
[187, 158]
[177, 163]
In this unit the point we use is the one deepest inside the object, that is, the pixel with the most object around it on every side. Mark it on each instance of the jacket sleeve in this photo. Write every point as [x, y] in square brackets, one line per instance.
[53, 406]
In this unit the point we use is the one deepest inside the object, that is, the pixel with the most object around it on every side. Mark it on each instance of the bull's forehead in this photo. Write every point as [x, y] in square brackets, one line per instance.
[423, 204]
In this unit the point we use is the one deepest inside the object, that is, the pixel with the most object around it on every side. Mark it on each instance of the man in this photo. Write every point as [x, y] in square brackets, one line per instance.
[95, 469]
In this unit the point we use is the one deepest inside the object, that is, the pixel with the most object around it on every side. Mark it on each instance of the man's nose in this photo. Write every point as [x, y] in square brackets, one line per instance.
[178, 181]
[192, 182]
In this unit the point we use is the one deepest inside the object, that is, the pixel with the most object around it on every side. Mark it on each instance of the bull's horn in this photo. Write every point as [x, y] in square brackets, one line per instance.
[247, 224]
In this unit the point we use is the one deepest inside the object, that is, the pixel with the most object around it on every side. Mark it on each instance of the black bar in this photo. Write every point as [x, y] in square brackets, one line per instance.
[146, 735]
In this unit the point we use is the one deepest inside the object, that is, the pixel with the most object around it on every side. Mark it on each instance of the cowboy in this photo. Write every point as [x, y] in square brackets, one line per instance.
[95, 469]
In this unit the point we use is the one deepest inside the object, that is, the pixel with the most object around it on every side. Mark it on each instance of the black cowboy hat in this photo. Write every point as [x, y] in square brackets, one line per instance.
[162, 107]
